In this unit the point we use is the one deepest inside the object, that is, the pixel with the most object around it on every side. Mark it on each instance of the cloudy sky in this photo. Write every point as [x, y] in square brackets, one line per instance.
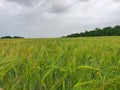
[55, 18]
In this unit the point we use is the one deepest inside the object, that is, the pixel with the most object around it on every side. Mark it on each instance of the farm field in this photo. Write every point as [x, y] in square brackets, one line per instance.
[87, 63]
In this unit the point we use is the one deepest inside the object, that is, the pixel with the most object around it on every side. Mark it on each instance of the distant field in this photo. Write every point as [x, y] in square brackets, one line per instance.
[60, 64]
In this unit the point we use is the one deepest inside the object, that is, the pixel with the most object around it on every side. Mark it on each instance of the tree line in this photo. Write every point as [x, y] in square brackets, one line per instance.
[10, 37]
[107, 31]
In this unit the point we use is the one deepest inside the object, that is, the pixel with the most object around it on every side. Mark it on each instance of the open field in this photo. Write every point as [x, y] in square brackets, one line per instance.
[60, 64]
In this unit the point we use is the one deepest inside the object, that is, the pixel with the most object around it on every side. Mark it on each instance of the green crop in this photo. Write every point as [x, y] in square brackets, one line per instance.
[60, 64]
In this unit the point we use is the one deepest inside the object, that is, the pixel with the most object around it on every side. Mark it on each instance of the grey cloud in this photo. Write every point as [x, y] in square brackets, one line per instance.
[57, 6]
[25, 2]
[83, 0]
[61, 6]
[116, 0]
[54, 6]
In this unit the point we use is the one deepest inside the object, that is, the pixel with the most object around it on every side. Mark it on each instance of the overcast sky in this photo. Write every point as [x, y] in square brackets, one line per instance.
[55, 18]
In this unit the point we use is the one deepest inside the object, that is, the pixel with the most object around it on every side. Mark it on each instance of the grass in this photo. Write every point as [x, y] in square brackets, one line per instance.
[60, 64]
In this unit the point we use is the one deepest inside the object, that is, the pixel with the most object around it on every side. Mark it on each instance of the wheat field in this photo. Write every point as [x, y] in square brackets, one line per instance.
[88, 63]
